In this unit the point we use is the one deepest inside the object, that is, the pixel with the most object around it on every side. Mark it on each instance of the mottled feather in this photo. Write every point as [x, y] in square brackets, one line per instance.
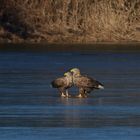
[63, 83]
[85, 83]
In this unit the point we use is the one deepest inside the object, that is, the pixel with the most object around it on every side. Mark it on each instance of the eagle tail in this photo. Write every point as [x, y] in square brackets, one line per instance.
[99, 85]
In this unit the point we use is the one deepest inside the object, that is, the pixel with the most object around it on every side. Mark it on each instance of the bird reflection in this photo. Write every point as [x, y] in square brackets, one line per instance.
[73, 111]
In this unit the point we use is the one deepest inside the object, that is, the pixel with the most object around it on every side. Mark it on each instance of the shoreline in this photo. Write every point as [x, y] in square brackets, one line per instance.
[58, 47]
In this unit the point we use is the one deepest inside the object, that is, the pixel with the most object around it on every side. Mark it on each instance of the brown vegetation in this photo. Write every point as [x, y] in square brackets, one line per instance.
[77, 21]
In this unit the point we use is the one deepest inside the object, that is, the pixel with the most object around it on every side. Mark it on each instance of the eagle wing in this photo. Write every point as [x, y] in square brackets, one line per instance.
[85, 81]
[59, 82]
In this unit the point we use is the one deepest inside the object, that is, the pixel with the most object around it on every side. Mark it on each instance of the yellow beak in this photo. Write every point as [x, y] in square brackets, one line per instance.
[65, 74]
[71, 70]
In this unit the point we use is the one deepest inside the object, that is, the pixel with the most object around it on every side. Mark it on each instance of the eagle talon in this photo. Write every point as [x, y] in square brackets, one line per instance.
[79, 96]
[63, 95]
[84, 96]
[68, 96]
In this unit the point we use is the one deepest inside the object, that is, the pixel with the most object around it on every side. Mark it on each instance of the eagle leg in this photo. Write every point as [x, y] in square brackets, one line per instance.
[81, 93]
[62, 92]
[67, 94]
[85, 94]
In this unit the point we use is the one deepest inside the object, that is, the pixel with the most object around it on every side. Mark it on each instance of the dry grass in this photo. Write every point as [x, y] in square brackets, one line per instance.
[71, 20]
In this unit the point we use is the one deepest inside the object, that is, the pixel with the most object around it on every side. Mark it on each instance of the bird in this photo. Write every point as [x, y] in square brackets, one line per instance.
[63, 84]
[85, 83]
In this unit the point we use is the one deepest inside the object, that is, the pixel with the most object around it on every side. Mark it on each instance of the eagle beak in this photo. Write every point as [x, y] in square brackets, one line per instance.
[71, 70]
[65, 74]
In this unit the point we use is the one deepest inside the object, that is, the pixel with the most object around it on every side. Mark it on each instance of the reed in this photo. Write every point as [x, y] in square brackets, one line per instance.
[70, 20]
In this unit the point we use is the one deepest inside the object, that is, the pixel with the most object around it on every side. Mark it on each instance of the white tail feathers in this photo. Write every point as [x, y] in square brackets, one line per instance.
[100, 87]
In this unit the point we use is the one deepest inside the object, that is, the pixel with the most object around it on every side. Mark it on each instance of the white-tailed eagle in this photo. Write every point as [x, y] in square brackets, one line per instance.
[63, 84]
[84, 83]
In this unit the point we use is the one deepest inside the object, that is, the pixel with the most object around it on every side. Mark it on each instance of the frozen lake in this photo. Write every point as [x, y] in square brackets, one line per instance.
[30, 109]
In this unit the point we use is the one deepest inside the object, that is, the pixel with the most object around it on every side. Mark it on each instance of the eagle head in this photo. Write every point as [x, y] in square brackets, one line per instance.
[75, 71]
[67, 74]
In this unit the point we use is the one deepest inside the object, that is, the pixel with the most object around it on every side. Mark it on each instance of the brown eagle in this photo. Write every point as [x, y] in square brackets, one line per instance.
[84, 83]
[63, 83]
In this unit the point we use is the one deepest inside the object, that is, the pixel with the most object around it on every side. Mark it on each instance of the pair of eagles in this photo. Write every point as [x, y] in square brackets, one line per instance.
[74, 78]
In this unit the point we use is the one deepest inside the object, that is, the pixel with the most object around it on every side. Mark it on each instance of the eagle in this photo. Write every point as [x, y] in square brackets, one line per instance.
[63, 84]
[85, 83]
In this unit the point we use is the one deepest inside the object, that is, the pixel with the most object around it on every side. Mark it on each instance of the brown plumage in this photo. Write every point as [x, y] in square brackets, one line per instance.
[63, 84]
[84, 83]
